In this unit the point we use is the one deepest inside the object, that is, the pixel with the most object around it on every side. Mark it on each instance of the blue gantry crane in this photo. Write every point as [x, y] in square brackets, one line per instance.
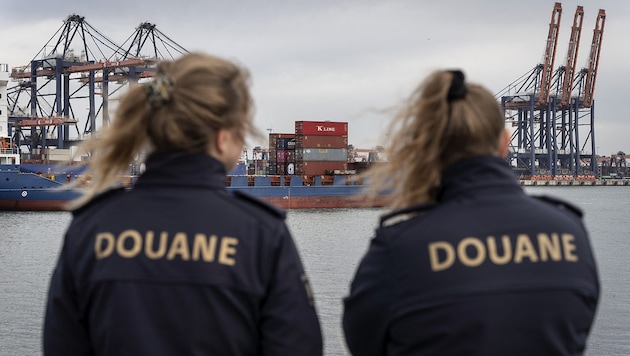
[69, 82]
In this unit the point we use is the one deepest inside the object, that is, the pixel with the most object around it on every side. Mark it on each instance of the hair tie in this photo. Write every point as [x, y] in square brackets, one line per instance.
[158, 91]
[458, 88]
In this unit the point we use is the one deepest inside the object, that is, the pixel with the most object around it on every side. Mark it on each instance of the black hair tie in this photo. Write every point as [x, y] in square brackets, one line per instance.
[458, 88]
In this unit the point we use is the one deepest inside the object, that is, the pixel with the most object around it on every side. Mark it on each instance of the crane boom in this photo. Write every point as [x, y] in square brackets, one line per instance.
[44, 121]
[574, 44]
[593, 60]
[550, 55]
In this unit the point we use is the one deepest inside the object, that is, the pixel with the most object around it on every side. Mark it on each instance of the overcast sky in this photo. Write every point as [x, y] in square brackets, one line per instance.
[354, 60]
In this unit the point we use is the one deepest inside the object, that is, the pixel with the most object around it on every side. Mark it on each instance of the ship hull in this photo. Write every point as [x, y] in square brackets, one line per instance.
[315, 197]
[27, 191]
[327, 202]
[12, 200]
[32, 205]
[24, 191]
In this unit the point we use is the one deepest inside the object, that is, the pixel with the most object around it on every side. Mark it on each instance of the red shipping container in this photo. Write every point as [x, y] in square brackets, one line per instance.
[324, 128]
[310, 168]
[321, 141]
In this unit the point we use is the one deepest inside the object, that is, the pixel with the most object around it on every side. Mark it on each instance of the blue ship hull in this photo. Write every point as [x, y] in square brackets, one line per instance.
[25, 188]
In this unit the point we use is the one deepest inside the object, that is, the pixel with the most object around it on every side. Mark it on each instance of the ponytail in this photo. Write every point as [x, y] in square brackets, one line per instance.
[443, 121]
[180, 109]
[112, 149]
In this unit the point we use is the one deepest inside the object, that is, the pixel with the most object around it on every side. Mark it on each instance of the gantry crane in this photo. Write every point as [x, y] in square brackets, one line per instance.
[59, 86]
[561, 132]
[546, 118]
[575, 122]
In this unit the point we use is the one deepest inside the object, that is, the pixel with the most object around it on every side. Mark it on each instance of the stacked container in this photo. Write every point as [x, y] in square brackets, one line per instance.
[281, 153]
[321, 147]
[259, 165]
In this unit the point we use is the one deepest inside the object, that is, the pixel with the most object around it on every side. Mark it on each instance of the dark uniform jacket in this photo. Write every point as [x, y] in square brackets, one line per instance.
[178, 266]
[487, 270]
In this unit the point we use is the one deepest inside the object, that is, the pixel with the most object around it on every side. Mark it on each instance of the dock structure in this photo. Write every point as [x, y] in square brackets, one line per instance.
[574, 182]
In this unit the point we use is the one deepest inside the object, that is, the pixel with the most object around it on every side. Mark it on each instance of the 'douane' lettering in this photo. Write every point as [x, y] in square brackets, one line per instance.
[493, 252]
[179, 247]
[136, 243]
[148, 245]
[473, 251]
[131, 244]
[228, 248]
[204, 248]
[524, 249]
[549, 247]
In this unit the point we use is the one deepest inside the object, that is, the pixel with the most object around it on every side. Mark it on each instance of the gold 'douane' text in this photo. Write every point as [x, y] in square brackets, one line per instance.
[473, 251]
[131, 243]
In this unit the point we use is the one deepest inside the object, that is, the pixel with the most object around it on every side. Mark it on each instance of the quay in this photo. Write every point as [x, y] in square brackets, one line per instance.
[575, 182]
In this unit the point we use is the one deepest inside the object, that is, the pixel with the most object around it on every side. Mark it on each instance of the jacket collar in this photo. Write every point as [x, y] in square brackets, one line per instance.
[476, 176]
[184, 169]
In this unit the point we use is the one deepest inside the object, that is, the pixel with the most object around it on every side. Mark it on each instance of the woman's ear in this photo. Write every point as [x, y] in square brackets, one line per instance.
[221, 141]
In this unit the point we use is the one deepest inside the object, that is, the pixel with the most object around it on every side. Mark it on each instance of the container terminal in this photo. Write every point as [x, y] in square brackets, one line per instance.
[62, 96]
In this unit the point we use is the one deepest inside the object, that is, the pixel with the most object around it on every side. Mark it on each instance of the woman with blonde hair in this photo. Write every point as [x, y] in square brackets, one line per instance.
[177, 265]
[467, 263]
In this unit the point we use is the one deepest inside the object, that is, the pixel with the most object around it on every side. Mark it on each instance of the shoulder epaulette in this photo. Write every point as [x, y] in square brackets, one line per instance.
[562, 204]
[99, 198]
[405, 212]
[268, 207]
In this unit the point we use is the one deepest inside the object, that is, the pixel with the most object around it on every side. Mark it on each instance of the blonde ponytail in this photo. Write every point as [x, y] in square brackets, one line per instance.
[436, 127]
[181, 109]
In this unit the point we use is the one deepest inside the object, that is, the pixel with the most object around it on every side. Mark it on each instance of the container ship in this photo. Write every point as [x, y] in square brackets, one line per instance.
[312, 168]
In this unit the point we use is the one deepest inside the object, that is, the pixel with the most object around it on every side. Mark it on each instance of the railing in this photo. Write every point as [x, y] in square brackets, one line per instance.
[8, 151]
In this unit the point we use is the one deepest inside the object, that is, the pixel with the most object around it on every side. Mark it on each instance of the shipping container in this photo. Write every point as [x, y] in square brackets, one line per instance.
[275, 137]
[273, 168]
[324, 128]
[281, 156]
[319, 168]
[285, 143]
[286, 168]
[290, 168]
[320, 141]
[322, 154]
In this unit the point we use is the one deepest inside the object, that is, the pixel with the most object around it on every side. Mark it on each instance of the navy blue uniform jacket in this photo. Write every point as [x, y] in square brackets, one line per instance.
[487, 270]
[178, 266]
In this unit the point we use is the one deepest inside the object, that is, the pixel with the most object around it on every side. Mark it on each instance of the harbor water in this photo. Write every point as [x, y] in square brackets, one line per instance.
[331, 243]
